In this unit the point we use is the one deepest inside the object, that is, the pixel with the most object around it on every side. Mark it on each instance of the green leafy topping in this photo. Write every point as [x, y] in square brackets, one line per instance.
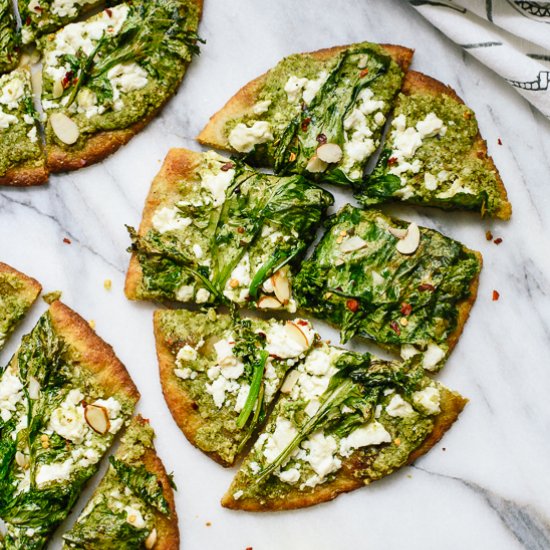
[9, 38]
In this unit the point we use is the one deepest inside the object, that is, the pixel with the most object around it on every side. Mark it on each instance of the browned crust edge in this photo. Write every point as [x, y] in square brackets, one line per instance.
[94, 354]
[182, 407]
[167, 527]
[179, 165]
[240, 104]
[25, 175]
[32, 287]
[416, 82]
[346, 481]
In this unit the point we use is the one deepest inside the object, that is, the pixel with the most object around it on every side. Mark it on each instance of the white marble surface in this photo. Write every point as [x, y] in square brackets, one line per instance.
[486, 485]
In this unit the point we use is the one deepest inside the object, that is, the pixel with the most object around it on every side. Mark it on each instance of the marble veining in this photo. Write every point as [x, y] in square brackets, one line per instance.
[486, 485]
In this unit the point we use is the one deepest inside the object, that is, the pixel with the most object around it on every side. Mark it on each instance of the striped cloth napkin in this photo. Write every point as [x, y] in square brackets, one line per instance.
[511, 37]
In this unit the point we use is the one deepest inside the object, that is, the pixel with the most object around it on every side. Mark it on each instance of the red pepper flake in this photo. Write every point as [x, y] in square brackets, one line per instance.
[240, 230]
[321, 139]
[392, 161]
[38, 9]
[66, 240]
[488, 235]
[28, 20]
[249, 548]
[305, 123]
[499, 141]
[363, 73]
[109, 12]
[66, 80]
[302, 323]
[424, 287]
[406, 309]
[498, 240]
[496, 295]
[352, 305]
[227, 166]
[395, 327]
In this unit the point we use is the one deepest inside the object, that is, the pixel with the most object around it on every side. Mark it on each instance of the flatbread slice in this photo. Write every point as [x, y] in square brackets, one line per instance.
[17, 294]
[64, 396]
[435, 156]
[22, 161]
[369, 418]
[319, 113]
[40, 17]
[216, 231]
[105, 78]
[9, 38]
[219, 374]
[133, 506]
[409, 289]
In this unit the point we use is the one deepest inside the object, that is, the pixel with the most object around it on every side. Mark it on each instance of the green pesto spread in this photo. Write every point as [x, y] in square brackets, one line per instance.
[16, 297]
[226, 233]
[48, 451]
[230, 371]
[358, 280]
[122, 511]
[118, 67]
[306, 102]
[429, 159]
[19, 138]
[370, 417]
[9, 38]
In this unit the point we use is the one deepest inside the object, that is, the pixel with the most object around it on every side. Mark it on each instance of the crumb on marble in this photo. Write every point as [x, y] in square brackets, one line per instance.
[91, 322]
[107, 284]
[66, 240]
[496, 295]
[208, 524]
[498, 240]
[488, 235]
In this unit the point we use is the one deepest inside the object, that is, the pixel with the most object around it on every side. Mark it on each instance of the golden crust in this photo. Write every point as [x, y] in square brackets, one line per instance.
[32, 287]
[415, 83]
[95, 355]
[241, 103]
[346, 479]
[167, 527]
[179, 166]
[183, 408]
[25, 175]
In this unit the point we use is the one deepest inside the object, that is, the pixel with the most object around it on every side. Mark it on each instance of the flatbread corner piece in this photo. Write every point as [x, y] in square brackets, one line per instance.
[105, 78]
[22, 160]
[9, 38]
[219, 375]
[65, 395]
[17, 294]
[410, 289]
[372, 418]
[318, 113]
[216, 231]
[435, 156]
[133, 505]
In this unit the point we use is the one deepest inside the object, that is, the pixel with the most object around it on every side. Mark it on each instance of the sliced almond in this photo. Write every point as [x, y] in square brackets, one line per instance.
[36, 82]
[269, 302]
[409, 243]
[151, 540]
[64, 128]
[281, 286]
[34, 388]
[353, 243]
[290, 381]
[398, 232]
[316, 165]
[57, 90]
[97, 418]
[329, 152]
[22, 460]
[295, 333]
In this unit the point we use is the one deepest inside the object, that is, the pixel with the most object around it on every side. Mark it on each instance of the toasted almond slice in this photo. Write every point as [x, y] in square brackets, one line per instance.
[64, 128]
[316, 165]
[329, 152]
[269, 302]
[21, 459]
[57, 90]
[151, 540]
[34, 388]
[97, 418]
[36, 82]
[398, 232]
[409, 243]
[294, 332]
[352, 244]
[290, 381]
[281, 286]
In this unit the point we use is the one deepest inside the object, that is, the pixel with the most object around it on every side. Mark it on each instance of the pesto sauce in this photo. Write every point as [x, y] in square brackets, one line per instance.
[448, 155]
[363, 291]
[9, 39]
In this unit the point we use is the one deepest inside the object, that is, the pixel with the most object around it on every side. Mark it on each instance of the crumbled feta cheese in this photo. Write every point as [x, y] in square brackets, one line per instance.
[220, 387]
[277, 442]
[68, 420]
[407, 351]
[261, 107]
[455, 188]
[185, 293]
[290, 476]
[197, 250]
[428, 400]
[281, 345]
[217, 184]
[56, 471]
[238, 494]
[134, 517]
[430, 126]
[379, 118]
[398, 407]
[31, 134]
[10, 394]
[304, 88]
[430, 182]
[186, 353]
[321, 452]
[432, 357]
[202, 296]
[64, 8]
[11, 91]
[6, 120]
[372, 433]
[185, 373]
[169, 219]
[242, 397]
[243, 138]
